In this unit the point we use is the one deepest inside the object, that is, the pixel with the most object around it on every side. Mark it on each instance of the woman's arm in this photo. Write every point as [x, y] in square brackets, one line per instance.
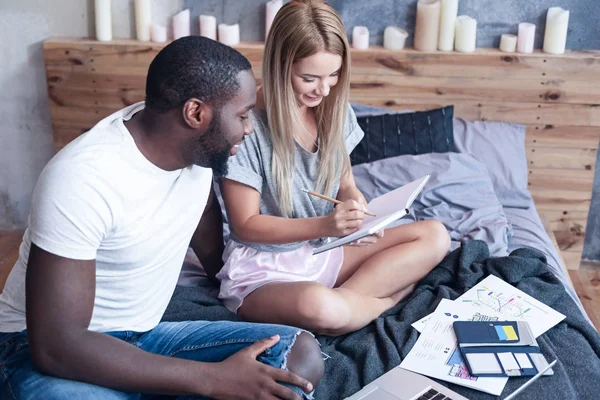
[348, 189]
[243, 207]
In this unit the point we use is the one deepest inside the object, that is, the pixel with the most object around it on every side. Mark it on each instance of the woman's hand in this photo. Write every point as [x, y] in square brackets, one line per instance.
[345, 219]
[367, 240]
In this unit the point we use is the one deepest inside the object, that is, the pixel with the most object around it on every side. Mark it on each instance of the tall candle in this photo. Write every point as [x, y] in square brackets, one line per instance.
[360, 37]
[229, 34]
[557, 24]
[508, 43]
[158, 33]
[208, 26]
[394, 38]
[181, 24]
[448, 14]
[466, 34]
[103, 20]
[428, 25]
[526, 37]
[143, 19]
[271, 10]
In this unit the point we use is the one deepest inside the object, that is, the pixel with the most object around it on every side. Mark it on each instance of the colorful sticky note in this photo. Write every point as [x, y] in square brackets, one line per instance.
[510, 332]
[500, 332]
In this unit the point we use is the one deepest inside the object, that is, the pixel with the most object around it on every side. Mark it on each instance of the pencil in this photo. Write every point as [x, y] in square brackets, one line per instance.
[336, 201]
[529, 382]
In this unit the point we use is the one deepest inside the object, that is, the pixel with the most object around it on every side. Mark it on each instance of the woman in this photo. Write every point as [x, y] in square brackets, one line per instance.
[303, 132]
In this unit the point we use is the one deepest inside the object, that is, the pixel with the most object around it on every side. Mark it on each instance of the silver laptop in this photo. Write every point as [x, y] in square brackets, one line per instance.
[401, 384]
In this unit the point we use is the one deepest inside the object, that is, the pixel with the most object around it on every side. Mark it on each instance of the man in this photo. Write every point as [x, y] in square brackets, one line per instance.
[112, 216]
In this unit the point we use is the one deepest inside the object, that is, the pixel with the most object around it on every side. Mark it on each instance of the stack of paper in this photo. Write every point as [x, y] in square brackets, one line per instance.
[436, 352]
[494, 295]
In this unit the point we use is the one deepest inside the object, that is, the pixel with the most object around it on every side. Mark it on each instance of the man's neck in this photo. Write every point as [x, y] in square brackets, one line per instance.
[156, 139]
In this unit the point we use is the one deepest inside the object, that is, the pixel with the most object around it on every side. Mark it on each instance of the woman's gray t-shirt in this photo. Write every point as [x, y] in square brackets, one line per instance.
[252, 166]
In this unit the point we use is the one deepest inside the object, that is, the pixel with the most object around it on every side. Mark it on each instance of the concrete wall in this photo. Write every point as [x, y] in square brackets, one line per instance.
[25, 131]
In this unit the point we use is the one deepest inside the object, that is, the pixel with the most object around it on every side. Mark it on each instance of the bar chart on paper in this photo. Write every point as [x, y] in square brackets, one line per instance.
[512, 303]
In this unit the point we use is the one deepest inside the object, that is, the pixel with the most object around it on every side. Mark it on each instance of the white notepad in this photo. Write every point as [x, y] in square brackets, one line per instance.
[388, 208]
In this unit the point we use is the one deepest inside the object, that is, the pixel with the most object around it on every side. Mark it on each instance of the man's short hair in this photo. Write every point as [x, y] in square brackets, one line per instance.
[193, 66]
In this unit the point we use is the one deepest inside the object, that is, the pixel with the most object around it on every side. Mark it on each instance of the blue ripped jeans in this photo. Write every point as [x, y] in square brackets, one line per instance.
[196, 340]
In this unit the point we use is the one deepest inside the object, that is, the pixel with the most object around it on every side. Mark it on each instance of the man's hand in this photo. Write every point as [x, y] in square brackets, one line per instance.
[242, 377]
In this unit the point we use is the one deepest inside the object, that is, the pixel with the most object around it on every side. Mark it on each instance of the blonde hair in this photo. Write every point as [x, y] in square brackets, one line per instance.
[300, 29]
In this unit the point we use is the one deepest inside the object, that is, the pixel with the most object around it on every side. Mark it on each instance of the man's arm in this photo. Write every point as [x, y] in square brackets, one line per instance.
[60, 299]
[207, 241]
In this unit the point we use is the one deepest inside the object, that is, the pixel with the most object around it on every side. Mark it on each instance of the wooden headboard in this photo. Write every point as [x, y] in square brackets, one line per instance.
[557, 97]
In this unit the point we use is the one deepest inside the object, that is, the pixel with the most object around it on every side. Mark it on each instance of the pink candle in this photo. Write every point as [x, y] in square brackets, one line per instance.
[181, 24]
[208, 26]
[271, 10]
[229, 34]
[526, 37]
[158, 33]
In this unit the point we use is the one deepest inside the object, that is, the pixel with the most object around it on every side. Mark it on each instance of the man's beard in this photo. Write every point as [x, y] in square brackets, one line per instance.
[211, 150]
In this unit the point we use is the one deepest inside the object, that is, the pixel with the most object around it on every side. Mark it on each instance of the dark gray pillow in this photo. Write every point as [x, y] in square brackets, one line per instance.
[390, 135]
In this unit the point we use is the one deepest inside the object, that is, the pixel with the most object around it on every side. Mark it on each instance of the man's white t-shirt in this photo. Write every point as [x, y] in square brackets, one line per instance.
[100, 198]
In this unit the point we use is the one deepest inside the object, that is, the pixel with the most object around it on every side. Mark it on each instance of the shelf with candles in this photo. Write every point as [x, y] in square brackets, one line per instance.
[256, 45]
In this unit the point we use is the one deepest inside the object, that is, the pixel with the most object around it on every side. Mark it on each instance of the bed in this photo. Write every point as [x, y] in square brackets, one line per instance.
[525, 132]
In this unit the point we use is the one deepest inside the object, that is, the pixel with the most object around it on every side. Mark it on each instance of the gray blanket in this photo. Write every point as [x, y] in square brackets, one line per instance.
[360, 357]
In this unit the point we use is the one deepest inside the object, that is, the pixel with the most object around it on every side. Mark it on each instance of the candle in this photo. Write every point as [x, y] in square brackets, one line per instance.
[181, 24]
[428, 25]
[158, 33]
[271, 10]
[143, 19]
[360, 37]
[229, 34]
[555, 37]
[448, 13]
[508, 43]
[526, 37]
[208, 26]
[466, 34]
[103, 20]
[394, 38]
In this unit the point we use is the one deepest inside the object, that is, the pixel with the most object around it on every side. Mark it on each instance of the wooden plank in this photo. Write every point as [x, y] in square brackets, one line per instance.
[116, 98]
[550, 233]
[498, 65]
[574, 65]
[451, 89]
[563, 136]
[586, 281]
[557, 158]
[572, 259]
[9, 253]
[562, 180]
[524, 113]
[561, 200]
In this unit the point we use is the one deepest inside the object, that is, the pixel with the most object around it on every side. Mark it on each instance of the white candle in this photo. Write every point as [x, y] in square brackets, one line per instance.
[229, 34]
[143, 19]
[394, 38]
[557, 24]
[448, 13]
[360, 37]
[208, 26]
[158, 33]
[428, 25]
[103, 20]
[181, 24]
[508, 43]
[526, 37]
[271, 10]
[466, 34]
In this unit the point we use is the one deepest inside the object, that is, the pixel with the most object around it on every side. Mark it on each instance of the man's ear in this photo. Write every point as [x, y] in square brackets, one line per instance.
[197, 114]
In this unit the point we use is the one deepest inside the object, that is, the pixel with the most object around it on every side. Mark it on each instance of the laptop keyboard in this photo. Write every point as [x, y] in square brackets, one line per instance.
[433, 394]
